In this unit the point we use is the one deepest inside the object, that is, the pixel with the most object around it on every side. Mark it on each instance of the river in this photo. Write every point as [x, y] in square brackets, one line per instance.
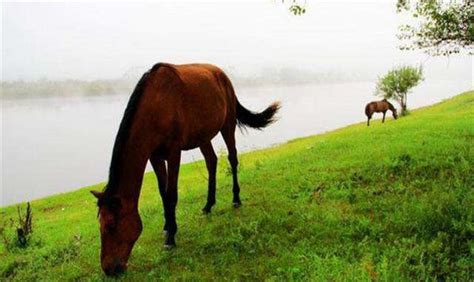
[55, 145]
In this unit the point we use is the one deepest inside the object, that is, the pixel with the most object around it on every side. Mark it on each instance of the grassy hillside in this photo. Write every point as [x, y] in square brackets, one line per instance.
[385, 202]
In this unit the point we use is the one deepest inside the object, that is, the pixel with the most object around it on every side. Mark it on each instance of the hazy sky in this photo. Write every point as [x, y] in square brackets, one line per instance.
[106, 40]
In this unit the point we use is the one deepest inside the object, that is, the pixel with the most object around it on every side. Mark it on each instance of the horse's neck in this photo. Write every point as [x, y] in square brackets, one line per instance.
[132, 167]
[390, 107]
[131, 178]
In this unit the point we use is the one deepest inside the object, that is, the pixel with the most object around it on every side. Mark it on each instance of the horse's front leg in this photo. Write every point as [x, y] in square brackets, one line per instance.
[159, 167]
[211, 164]
[172, 197]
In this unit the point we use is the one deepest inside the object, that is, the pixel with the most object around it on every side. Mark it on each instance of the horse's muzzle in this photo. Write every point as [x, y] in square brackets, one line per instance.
[116, 269]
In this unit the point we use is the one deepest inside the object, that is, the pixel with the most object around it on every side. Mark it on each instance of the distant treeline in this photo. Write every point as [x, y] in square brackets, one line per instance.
[65, 88]
[291, 76]
[49, 88]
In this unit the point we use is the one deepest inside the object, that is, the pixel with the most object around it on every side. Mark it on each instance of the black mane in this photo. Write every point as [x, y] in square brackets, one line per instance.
[390, 106]
[123, 133]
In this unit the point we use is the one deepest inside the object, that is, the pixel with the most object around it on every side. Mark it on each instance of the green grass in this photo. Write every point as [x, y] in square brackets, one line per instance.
[385, 202]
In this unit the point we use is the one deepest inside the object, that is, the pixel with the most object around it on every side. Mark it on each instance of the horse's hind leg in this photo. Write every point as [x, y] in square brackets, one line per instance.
[368, 120]
[159, 167]
[228, 133]
[211, 164]
[383, 119]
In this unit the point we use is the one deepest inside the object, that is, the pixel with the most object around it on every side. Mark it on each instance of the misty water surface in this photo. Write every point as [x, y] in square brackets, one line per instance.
[56, 145]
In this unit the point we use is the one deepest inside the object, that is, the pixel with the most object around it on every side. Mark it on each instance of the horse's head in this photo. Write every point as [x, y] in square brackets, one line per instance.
[120, 228]
[394, 113]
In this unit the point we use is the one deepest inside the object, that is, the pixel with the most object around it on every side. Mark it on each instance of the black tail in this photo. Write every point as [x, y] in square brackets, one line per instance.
[256, 120]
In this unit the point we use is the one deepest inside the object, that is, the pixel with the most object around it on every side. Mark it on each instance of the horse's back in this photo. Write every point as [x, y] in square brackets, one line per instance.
[200, 98]
[192, 74]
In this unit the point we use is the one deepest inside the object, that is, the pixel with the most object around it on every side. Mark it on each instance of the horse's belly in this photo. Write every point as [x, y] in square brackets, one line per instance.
[198, 134]
[197, 141]
[203, 113]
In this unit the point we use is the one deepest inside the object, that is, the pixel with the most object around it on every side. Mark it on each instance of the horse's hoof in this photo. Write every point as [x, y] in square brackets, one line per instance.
[169, 242]
[206, 210]
[169, 246]
[236, 204]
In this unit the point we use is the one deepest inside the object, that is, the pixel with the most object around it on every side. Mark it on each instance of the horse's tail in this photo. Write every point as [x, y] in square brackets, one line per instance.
[256, 120]
[248, 118]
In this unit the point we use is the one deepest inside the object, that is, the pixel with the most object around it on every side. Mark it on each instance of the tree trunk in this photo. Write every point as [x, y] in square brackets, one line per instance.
[400, 101]
[404, 104]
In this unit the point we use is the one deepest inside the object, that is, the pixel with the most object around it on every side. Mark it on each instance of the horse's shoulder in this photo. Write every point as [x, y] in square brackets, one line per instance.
[167, 69]
[186, 75]
[163, 76]
[165, 73]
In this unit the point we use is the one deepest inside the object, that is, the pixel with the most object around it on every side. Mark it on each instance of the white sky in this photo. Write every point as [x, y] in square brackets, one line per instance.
[88, 40]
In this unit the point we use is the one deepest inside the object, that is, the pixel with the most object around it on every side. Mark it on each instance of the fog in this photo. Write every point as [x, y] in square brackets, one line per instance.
[113, 40]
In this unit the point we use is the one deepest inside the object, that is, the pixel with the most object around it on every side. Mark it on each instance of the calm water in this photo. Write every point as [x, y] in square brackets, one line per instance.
[56, 145]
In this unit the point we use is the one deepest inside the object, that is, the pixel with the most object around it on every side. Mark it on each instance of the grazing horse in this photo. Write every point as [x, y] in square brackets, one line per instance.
[173, 108]
[379, 107]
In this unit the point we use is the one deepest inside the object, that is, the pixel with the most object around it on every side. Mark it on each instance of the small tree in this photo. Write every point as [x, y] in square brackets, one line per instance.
[397, 83]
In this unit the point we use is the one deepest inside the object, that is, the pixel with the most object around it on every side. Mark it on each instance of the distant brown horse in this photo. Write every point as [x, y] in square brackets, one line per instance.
[379, 107]
[173, 108]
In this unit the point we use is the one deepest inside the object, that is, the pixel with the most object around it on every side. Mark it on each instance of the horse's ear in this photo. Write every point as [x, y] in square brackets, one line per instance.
[97, 194]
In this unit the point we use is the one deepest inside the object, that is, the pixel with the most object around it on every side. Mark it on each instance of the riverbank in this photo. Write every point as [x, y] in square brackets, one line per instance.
[390, 201]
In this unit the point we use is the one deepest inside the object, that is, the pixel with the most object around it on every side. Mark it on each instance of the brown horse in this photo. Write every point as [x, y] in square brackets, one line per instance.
[379, 107]
[173, 108]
